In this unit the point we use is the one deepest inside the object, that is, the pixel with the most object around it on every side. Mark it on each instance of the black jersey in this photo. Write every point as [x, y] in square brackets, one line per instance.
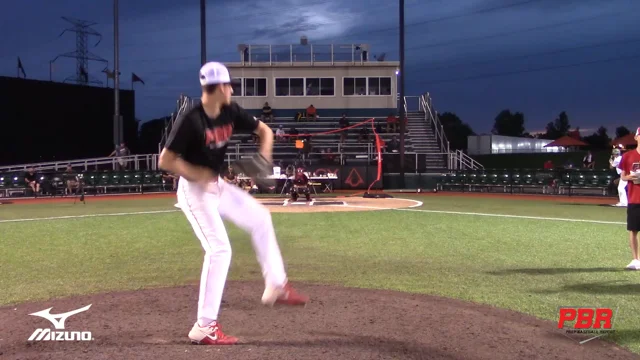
[203, 141]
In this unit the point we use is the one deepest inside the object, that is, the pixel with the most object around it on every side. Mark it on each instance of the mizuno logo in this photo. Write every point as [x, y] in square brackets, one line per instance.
[58, 321]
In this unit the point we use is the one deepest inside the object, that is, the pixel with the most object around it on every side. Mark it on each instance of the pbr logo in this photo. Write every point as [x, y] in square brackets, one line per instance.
[597, 321]
[58, 323]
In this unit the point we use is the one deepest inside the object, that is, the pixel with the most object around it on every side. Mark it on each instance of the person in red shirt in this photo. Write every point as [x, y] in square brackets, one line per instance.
[630, 166]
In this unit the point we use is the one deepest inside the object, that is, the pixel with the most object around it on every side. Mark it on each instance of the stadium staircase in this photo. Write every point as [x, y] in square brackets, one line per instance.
[428, 137]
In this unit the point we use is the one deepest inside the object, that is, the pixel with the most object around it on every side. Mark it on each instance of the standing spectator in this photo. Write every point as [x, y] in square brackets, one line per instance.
[293, 133]
[364, 134]
[71, 179]
[343, 123]
[630, 166]
[120, 152]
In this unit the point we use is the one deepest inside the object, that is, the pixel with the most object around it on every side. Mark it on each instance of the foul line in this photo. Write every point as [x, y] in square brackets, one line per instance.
[491, 215]
[89, 216]
[410, 208]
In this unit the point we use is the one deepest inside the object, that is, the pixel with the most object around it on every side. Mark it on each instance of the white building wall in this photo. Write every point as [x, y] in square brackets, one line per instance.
[338, 101]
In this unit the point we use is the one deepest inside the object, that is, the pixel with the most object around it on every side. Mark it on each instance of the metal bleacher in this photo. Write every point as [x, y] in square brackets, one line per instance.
[353, 150]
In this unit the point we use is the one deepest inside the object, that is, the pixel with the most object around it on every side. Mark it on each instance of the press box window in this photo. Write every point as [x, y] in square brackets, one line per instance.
[255, 87]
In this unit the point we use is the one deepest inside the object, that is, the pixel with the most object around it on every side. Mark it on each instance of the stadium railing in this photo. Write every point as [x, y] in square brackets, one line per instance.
[137, 162]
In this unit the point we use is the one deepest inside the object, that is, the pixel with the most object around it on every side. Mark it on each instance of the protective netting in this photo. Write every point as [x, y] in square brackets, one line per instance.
[346, 145]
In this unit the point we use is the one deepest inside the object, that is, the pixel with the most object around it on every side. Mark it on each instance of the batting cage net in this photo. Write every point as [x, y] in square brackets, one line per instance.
[358, 143]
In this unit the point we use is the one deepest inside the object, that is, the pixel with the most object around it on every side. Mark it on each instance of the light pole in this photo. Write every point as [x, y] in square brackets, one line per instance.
[401, 88]
[117, 119]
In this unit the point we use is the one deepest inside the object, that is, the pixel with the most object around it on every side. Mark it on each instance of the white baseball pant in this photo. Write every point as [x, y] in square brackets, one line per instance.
[205, 208]
[622, 192]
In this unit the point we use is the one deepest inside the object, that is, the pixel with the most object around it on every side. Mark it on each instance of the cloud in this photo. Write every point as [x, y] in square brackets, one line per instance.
[316, 21]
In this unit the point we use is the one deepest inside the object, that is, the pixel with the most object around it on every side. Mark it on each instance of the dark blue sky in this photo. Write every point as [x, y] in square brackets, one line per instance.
[476, 57]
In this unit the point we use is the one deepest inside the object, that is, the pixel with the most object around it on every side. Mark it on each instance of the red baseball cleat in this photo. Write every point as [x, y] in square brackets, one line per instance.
[210, 335]
[286, 295]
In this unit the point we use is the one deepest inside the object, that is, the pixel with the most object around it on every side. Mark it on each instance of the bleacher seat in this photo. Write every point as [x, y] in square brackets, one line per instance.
[568, 182]
[352, 151]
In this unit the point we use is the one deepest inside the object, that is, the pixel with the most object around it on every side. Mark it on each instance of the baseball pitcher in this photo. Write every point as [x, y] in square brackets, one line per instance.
[195, 150]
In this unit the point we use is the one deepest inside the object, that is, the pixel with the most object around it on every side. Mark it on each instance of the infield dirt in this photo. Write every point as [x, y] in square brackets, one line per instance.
[339, 323]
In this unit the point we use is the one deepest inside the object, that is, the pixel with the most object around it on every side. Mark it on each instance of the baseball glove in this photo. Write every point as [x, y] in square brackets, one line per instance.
[257, 168]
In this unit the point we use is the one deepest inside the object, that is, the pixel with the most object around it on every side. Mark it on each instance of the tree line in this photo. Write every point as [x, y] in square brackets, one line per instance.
[508, 123]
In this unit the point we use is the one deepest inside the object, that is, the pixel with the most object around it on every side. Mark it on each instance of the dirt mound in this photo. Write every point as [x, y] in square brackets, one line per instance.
[339, 323]
[279, 204]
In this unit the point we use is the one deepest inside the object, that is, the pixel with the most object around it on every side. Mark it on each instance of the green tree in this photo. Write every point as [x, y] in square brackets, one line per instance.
[598, 140]
[622, 131]
[151, 134]
[509, 124]
[455, 130]
[558, 128]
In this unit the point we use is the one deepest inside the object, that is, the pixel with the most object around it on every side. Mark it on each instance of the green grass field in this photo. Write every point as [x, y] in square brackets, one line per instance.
[532, 263]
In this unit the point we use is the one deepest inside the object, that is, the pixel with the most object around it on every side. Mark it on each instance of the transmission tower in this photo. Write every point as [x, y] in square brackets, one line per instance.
[82, 54]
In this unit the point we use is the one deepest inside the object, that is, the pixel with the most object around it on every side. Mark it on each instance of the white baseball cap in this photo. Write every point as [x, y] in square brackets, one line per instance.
[213, 73]
[638, 131]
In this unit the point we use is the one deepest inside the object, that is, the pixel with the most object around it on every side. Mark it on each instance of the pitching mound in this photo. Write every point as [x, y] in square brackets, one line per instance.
[339, 323]
[337, 204]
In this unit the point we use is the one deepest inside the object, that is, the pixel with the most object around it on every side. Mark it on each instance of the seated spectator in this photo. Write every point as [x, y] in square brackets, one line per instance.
[393, 145]
[392, 123]
[230, 176]
[172, 178]
[343, 123]
[31, 178]
[71, 179]
[280, 134]
[548, 165]
[406, 121]
[298, 117]
[364, 133]
[293, 134]
[328, 157]
[312, 113]
[382, 144]
[267, 114]
[588, 161]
